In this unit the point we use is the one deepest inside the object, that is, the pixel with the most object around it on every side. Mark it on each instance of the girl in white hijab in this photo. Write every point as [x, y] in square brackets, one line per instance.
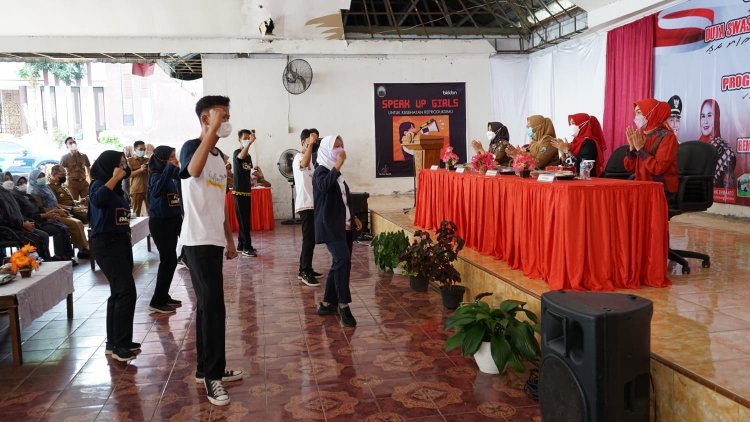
[334, 224]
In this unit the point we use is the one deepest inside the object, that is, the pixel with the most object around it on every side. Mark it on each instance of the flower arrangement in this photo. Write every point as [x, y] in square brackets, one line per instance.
[523, 161]
[482, 161]
[449, 157]
[22, 259]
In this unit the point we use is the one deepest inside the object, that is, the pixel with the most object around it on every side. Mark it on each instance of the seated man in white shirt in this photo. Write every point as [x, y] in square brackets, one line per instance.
[303, 205]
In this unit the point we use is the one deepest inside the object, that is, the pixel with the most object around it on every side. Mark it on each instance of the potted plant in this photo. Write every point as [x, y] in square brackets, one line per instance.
[482, 161]
[495, 337]
[417, 261]
[442, 270]
[523, 163]
[387, 247]
[23, 261]
[449, 158]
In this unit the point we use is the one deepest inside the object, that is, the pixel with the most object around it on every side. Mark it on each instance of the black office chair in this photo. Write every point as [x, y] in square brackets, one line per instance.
[615, 168]
[696, 164]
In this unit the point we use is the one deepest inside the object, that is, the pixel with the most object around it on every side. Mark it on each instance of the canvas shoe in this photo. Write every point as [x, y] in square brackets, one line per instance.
[122, 354]
[347, 319]
[327, 310]
[216, 393]
[162, 309]
[229, 376]
[134, 347]
[308, 279]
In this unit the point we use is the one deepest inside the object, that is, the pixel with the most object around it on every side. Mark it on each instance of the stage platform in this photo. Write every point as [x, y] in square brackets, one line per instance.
[699, 349]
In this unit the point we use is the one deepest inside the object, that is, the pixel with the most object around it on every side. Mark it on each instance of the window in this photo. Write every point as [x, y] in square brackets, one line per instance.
[101, 118]
[53, 106]
[77, 123]
[128, 115]
[44, 112]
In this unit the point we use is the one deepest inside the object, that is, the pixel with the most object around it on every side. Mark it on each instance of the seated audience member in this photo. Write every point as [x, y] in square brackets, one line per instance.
[652, 145]
[587, 143]
[65, 200]
[497, 135]
[12, 219]
[44, 221]
[541, 131]
[258, 179]
[7, 176]
[21, 184]
[43, 195]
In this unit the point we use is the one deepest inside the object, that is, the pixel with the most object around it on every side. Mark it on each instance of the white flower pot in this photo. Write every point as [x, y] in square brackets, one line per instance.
[483, 357]
[398, 270]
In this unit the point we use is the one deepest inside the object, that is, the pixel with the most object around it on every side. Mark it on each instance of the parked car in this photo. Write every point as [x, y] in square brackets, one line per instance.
[9, 151]
[22, 165]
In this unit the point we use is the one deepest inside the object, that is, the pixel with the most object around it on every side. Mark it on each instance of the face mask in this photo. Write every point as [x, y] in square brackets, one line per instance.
[74, 147]
[41, 182]
[490, 135]
[224, 130]
[640, 121]
[573, 130]
[140, 154]
[530, 132]
[62, 179]
[22, 187]
[335, 153]
[245, 143]
[8, 184]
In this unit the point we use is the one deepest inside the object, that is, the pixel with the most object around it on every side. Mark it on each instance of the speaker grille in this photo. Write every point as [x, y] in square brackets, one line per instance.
[560, 395]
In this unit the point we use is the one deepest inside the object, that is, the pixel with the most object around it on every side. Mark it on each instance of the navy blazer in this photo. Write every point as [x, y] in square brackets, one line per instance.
[330, 213]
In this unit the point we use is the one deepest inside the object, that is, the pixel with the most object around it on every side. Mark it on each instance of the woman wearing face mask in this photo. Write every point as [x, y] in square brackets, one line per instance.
[21, 184]
[541, 131]
[497, 135]
[110, 233]
[710, 121]
[46, 198]
[653, 147]
[165, 222]
[334, 226]
[587, 144]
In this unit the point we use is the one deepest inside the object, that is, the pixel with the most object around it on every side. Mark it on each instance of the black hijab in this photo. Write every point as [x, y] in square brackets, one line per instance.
[159, 159]
[105, 165]
[501, 132]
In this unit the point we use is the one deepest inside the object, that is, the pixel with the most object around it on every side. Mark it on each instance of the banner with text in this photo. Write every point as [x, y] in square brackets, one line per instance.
[405, 110]
[702, 66]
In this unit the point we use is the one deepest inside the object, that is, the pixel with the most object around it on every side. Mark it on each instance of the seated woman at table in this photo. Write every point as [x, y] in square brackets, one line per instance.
[21, 184]
[541, 131]
[587, 143]
[498, 136]
[164, 222]
[652, 154]
[21, 228]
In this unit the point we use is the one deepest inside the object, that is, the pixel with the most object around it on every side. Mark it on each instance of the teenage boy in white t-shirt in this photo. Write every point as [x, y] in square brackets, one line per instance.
[303, 205]
[205, 233]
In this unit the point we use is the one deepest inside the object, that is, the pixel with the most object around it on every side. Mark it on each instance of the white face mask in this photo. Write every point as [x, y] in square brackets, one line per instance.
[490, 135]
[224, 130]
[140, 153]
[245, 143]
[74, 147]
[640, 121]
[22, 187]
[573, 130]
[8, 184]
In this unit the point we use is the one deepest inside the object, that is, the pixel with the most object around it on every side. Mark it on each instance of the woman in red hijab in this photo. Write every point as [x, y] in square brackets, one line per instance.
[587, 144]
[653, 146]
[710, 121]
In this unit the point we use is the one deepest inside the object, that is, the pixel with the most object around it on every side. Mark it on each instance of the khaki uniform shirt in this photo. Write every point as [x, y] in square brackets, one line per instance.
[62, 193]
[138, 184]
[75, 164]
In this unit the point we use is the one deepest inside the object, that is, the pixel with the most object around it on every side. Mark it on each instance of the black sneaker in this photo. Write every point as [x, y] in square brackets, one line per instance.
[229, 376]
[83, 254]
[134, 347]
[315, 273]
[308, 279]
[182, 262]
[216, 393]
[347, 319]
[327, 310]
[174, 302]
[162, 309]
[122, 354]
[250, 252]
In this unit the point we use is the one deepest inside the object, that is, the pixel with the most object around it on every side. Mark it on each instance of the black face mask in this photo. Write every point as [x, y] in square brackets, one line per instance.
[62, 179]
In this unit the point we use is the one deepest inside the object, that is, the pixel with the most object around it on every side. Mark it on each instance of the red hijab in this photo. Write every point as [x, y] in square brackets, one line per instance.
[716, 130]
[589, 128]
[656, 113]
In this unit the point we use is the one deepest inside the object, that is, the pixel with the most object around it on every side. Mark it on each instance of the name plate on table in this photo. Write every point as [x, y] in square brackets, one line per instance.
[460, 169]
[491, 173]
[548, 178]
[433, 167]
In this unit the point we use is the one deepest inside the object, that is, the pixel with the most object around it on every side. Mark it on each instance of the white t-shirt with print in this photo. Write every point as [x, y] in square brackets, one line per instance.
[203, 199]
[303, 184]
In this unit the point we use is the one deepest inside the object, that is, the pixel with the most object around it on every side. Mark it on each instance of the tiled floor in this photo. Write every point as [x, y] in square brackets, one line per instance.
[301, 366]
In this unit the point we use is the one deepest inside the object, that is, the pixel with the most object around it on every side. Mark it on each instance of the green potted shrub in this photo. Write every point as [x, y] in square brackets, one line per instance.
[442, 270]
[417, 261]
[387, 247]
[495, 337]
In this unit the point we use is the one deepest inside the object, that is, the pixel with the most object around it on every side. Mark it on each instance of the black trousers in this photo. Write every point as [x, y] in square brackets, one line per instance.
[308, 240]
[337, 283]
[205, 264]
[242, 207]
[114, 254]
[60, 238]
[165, 232]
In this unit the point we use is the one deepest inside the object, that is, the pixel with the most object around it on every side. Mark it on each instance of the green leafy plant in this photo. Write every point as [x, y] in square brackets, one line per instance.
[511, 340]
[388, 247]
[419, 256]
[65, 72]
[110, 138]
[445, 253]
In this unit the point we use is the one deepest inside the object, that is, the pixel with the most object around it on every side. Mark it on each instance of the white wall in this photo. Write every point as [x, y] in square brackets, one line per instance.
[338, 102]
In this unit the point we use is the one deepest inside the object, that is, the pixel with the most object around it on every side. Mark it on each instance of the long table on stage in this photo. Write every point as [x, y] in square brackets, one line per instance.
[598, 234]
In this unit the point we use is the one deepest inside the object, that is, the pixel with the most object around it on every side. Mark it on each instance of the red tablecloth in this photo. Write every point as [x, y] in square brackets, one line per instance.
[261, 214]
[599, 234]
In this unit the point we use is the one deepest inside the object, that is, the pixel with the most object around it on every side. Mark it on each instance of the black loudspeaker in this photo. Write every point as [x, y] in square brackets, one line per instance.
[360, 209]
[595, 357]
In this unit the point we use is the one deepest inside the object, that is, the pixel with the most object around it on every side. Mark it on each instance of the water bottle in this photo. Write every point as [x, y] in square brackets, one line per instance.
[586, 167]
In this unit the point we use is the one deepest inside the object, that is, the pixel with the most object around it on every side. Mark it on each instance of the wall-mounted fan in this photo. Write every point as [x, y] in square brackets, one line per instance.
[297, 76]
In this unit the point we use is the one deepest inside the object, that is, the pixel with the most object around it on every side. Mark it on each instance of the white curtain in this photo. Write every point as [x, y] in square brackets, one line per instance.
[556, 82]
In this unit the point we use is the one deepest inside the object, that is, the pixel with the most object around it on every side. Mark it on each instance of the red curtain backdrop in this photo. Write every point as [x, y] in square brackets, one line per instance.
[630, 76]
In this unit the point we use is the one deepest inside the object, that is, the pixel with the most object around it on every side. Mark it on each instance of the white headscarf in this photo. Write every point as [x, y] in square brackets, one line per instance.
[325, 159]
